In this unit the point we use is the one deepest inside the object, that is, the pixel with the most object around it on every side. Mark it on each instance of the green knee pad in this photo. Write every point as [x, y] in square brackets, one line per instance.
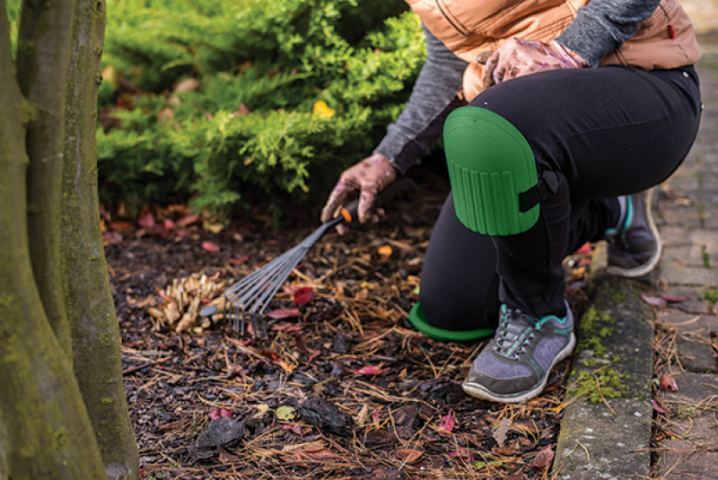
[490, 167]
[417, 320]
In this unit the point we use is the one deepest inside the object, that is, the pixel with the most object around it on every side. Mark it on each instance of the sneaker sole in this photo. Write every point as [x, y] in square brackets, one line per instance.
[478, 391]
[647, 267]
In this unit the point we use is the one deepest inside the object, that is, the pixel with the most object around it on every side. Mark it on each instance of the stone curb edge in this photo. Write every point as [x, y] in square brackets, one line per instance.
[607, 421]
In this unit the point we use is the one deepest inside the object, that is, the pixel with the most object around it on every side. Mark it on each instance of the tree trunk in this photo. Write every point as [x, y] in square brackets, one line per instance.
[43, 421]
[90, 307]
[42, 58]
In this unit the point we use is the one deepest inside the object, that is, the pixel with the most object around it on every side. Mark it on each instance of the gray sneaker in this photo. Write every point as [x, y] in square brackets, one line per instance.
[635, 248]
[514, 366]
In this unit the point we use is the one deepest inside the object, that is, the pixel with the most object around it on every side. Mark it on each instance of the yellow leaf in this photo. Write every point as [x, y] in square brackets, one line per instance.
[384, 252]
[285, 412]
[321, 108]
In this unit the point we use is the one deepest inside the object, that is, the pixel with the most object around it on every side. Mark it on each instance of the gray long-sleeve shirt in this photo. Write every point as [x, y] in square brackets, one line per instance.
[599, 27]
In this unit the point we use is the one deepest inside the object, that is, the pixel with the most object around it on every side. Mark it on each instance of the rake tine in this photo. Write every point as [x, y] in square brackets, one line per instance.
[278, 281]
[262, 302]
[252, 277]
[256, 284]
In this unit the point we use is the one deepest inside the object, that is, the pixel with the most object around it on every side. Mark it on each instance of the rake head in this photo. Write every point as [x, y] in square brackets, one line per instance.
[246, 301]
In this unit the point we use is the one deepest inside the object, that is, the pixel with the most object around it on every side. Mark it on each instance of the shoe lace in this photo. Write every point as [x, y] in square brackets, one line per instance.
[515, 333]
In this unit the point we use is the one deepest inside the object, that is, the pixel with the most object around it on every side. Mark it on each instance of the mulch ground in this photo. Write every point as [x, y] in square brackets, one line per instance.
[341, 388]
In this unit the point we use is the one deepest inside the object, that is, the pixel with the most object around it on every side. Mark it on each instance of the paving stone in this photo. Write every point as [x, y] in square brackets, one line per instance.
[685, 183]
[688, 466]
[693, 389]
[672, 235]
[688, 322]
[696, 355]
[693, 453]
[694, 305]
[676, 274]
[684, 255]
[681, 216]
[616, 440]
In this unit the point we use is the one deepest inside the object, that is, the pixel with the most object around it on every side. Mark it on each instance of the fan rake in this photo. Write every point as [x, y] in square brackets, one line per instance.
[245, 302]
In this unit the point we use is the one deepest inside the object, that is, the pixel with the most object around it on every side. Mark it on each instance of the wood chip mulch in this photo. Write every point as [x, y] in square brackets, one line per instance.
[343, 389]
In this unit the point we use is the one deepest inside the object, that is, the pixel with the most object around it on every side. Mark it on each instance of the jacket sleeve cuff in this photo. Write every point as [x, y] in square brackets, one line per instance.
[589, 38]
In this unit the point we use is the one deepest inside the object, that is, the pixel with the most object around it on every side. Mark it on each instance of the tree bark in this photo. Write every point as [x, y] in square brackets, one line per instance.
[44, 423]
[42, 56]
[90, 307]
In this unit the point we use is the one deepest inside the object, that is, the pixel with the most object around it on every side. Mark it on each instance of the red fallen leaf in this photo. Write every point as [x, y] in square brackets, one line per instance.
[543, 458]
[270, 242]
[281, 313]
[146, 220]
[585, 248]
[658, 408]
[369, 370]
[211, 246]
[446, 424]
[462, 454]
[672, 299]
[111, 238]
[219, 413]
[188, 219]
[181, 232]
[668, 383]
[303, 296]
[238, 260]
[169, 225]
[655, 301]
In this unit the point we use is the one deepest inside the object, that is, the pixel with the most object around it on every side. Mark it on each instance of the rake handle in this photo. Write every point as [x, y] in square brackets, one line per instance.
[399, 187]
[349, 212]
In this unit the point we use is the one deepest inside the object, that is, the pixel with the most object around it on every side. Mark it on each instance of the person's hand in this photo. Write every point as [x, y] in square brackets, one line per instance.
[370, 176]
[518, 57]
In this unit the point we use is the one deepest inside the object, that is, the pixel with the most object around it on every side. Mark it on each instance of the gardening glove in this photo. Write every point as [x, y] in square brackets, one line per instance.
[518, 57]
[370, 176]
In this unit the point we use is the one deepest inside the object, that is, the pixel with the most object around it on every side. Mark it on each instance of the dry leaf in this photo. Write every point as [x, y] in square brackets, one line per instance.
[447, 423]
[655, 301]
[409, 455]
[543, 458]
[501, 431]
[211, 246]
[303, 296]
[384, 252]
[369, 370]
[667, 382]
[187, 85]
[281, 313]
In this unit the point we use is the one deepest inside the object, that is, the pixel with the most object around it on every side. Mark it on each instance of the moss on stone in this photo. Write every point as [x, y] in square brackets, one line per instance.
[612, 385]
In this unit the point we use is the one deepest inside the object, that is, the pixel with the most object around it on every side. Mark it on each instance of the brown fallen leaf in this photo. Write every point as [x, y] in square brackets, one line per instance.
[409, 455]
[543, 458]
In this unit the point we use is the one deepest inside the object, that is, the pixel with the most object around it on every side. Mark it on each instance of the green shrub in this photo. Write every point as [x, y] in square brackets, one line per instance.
[250, 133]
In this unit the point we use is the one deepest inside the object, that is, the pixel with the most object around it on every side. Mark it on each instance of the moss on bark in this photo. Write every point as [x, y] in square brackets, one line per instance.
[43, 54]
[44, 428]
[88, 298]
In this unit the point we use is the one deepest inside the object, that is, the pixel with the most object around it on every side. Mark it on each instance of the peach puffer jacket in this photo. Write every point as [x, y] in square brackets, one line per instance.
[471, 28]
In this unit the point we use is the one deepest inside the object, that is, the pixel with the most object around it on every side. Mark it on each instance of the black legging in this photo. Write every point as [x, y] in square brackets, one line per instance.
[606, 132]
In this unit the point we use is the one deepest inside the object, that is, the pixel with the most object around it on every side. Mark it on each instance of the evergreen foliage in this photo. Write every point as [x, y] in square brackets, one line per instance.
[290, 93]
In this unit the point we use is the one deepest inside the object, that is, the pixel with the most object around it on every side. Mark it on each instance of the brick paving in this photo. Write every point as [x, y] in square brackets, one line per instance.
[687, 215]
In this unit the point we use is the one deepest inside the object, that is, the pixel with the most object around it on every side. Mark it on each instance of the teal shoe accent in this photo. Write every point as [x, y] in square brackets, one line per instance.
[417, 320]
